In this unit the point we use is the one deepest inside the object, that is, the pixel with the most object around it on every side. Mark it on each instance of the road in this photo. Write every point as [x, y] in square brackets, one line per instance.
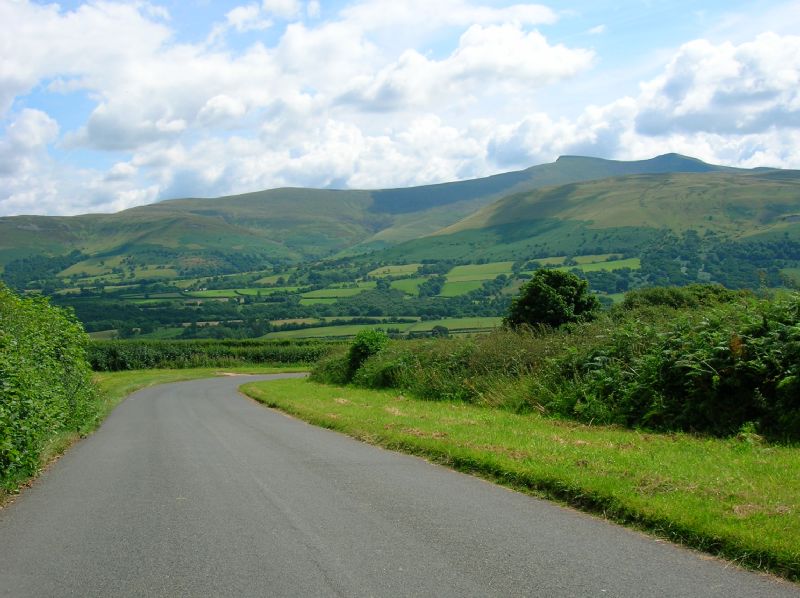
[191, 489]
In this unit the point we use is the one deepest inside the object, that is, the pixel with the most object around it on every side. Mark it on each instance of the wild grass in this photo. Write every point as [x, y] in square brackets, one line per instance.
[738, 498]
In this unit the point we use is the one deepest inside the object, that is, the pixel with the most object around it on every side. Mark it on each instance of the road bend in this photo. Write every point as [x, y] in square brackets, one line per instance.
[191, 489]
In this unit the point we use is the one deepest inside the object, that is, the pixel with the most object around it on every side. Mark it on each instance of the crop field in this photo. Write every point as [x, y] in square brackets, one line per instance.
[400, 270]
[480, 272]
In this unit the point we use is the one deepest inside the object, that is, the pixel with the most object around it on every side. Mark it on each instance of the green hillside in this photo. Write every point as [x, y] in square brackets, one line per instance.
[621, 214]
[230, 234]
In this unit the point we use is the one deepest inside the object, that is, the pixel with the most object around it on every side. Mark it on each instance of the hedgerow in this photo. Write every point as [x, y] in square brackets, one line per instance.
[149, 354]
[45, 382]
[702, 360]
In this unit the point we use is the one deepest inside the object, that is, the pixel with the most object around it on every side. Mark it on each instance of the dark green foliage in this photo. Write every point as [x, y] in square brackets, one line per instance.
[45, 384]
[334, 368]
[711, 370]
[149, 354]
[679, 297]
[366, 343]
[700, 359]
[553, 298]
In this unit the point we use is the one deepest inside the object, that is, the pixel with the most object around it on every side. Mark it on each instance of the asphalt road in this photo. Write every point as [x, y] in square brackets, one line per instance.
[190, 489]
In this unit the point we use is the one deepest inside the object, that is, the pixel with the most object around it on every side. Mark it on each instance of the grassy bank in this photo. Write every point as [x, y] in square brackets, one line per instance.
[738, 498]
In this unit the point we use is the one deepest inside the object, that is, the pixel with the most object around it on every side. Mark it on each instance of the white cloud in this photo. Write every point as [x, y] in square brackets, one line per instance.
[25, 142]
[283, 9]
[247, 18]
[598, 30]
[725, 88]
[503, 57]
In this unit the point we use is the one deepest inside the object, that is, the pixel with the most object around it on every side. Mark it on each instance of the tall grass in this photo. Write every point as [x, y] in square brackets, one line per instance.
[700, 360]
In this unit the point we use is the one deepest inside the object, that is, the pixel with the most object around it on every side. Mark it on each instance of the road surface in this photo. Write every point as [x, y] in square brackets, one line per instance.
[191, 489]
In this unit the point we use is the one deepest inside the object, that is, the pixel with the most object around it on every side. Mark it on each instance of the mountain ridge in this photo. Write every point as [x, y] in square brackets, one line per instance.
[297, 224]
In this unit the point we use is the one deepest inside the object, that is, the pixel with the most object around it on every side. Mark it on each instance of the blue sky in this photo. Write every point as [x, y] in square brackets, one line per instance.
[106, 105]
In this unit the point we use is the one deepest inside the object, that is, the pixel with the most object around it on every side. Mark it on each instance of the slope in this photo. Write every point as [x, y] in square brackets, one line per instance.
[619, 214]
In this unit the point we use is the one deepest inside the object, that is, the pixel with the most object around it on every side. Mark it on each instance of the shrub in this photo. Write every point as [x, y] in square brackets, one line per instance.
[553, 298]
[148, 354]
[45, 381]
[332, 369]
[366, 343]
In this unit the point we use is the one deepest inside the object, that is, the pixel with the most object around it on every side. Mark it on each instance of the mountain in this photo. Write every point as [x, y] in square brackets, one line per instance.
[292, 224]
[621, 214]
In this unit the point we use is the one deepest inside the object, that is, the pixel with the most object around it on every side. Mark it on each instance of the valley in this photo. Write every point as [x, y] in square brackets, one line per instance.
[445, 258]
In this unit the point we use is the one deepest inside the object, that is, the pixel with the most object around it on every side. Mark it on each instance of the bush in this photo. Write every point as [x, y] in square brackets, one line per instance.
[332, 369]
[45, 382]
[368, 342]
[553, 298]
[711, 370]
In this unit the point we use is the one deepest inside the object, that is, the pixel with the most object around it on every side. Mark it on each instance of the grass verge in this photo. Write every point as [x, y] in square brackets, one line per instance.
[113, 387]
[736, 498]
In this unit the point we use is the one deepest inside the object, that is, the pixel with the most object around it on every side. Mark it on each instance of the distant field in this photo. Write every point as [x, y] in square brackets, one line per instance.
[331, 331]
[551, 261]
[332, 293]
[634, 263]
[317, 300]
[408, 285]
[102, 335]
[592, 259]
[452, 324]
[212, 293]
[401, 270]
[481, 272]
[255, 291]
[458, 323]
[454, 289]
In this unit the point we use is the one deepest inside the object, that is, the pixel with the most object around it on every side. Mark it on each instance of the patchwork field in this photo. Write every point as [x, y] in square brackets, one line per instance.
[454, 325]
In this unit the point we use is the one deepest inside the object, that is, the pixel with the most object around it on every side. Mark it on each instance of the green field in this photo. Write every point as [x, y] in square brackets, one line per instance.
[318, 300]
[729, 497]
[408, 285]
[212, 294]
[474, 272]
[400, 270]
[634, 263]
[265, 291]
[453, 324]
[332, 293]
[454, 289]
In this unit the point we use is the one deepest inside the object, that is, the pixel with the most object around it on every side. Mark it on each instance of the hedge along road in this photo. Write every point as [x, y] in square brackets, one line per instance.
[190, 489]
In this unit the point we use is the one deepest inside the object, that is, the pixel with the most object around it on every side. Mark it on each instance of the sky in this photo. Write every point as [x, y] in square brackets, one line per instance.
[106, 105]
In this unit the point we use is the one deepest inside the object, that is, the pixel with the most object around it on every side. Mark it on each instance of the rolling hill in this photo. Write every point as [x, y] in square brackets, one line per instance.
[620, 214]
[293, 224]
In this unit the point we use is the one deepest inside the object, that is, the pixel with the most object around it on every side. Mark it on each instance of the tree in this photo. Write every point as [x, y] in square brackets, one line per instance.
[552, 297]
